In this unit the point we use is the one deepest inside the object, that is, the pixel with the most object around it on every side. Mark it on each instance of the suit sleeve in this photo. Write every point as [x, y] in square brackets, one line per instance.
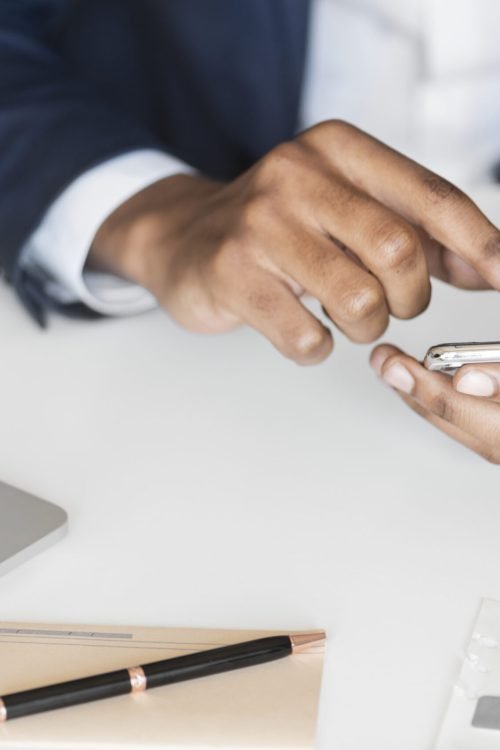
[52, 126]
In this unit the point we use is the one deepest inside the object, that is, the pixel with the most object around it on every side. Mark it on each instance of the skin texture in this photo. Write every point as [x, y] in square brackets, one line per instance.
[473, 420]
[334, 214]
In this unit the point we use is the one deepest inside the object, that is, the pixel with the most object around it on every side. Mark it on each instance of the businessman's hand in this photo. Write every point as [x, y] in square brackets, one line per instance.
[465, 407]
[333, 213]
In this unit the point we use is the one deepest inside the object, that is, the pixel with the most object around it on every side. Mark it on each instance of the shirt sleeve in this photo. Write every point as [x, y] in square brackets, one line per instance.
[58, 248]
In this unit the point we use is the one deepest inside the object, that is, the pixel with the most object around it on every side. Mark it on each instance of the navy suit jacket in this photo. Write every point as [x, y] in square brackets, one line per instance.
[215, 82]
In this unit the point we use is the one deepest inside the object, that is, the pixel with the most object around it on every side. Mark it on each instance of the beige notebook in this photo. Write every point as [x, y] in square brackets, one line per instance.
[269, 706]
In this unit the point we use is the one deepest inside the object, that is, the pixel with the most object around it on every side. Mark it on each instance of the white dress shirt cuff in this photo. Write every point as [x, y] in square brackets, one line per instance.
[58, 248]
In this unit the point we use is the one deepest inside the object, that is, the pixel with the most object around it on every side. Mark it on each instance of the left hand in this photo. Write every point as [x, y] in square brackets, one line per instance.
[466, 406]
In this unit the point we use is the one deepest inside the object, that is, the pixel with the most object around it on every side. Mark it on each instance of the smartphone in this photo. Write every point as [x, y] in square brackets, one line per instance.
[450, 357]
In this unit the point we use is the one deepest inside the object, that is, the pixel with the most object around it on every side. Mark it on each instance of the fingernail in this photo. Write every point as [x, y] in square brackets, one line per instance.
[400, 378]
[476, 383]
[377, 360]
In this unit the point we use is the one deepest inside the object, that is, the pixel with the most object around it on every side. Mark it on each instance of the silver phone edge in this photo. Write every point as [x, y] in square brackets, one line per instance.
[436, 360]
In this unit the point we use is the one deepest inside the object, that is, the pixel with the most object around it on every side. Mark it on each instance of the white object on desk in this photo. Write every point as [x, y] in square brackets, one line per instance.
[479, 677]
[257, 494]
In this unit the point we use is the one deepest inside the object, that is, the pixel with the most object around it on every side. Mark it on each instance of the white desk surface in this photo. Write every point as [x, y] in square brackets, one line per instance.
[210, 482]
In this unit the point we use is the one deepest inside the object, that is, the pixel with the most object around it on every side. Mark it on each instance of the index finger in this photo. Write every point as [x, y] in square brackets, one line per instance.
[418, 194]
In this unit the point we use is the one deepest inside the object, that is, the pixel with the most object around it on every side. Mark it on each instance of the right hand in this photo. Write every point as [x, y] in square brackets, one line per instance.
[333, 213]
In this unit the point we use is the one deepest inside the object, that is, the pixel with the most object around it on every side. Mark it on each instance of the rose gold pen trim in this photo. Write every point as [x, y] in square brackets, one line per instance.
[308, 643]
[138, 680]
[3, 711]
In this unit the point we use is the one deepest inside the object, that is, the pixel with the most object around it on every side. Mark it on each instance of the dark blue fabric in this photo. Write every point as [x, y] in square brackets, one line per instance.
[216, 82]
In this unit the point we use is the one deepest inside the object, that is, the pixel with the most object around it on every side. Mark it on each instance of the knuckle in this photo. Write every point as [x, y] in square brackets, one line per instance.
[438, 190]
[335, 130]
[279, 164]
[491, 248]
[303, 343]
[363, 303]
[443, 407]
[397, 246]
[256, 212]
[339, 125]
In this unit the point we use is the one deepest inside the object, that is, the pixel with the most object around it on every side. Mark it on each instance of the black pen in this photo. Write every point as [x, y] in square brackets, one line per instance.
[156, 674]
